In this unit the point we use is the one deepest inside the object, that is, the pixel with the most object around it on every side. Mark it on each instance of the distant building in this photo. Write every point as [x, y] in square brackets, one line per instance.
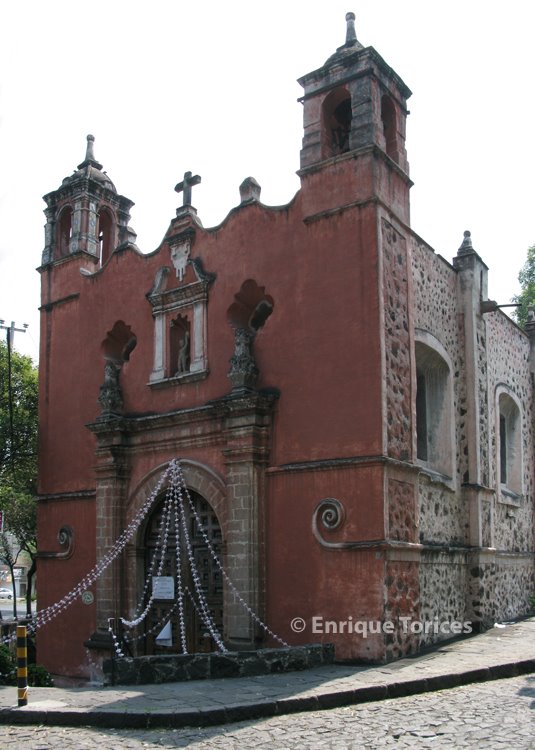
[353, 415]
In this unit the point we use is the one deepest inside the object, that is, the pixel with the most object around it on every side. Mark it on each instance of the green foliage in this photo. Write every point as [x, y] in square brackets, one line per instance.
[38, 676]
[20, 511]
[18, 452]
[526, 277]
[8, 668]
[18, 448]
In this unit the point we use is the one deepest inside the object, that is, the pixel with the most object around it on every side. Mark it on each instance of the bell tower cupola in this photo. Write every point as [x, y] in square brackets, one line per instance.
[86, 215]
[355, 109]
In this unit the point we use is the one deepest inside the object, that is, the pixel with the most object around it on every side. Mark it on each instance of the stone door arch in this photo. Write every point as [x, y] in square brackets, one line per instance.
[207, 488]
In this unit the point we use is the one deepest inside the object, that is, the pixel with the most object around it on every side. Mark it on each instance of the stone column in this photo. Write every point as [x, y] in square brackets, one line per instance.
[246, 431]
[76, 242]
[158, 370]
[112, 476]
[50, 237]
[198, 356]
[472, 295]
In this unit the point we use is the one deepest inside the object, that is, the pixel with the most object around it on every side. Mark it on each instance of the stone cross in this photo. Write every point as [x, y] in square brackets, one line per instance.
[186, 185]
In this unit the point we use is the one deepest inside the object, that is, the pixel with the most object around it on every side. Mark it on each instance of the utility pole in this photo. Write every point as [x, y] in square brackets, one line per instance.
[10, 336]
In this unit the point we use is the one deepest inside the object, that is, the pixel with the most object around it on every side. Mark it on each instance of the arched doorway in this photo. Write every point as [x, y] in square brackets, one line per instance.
[197, 637]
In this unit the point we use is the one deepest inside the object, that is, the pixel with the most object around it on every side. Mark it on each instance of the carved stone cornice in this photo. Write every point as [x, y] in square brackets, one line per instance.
[247, 417]
[66, 495]
[182, 296]
[335, 464]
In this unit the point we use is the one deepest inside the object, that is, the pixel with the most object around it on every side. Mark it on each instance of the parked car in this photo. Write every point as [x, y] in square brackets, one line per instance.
[6, 594]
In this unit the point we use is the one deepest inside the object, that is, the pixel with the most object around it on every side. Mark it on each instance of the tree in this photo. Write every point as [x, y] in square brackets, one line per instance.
[18, 459]
[526, 277]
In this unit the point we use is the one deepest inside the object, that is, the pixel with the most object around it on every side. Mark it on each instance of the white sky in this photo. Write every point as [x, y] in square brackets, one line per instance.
[211, 87]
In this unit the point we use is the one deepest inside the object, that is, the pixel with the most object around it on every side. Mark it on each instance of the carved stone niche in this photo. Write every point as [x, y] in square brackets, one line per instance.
[119, 343]
[180, 319]
[247, 315]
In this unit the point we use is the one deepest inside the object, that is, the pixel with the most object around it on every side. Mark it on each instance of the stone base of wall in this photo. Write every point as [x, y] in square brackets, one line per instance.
[146, 670]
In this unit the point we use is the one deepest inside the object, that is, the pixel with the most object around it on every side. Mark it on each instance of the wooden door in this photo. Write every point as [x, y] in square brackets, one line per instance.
[198, 638]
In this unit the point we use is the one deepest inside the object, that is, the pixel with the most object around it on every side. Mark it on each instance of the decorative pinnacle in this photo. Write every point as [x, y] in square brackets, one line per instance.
[89, 155]
[466, 246]
[351, 34]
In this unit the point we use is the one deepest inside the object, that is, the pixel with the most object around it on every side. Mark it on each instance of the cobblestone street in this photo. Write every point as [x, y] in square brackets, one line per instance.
[498, 714]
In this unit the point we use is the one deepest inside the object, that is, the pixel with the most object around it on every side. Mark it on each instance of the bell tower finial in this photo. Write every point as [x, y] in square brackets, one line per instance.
[89, 155]
[351, 34]
[89, 150]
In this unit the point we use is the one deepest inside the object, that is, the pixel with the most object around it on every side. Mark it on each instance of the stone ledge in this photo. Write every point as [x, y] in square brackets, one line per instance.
[149, 670]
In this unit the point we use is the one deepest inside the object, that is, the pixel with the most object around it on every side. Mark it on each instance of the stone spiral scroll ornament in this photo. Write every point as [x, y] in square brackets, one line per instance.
[331, 514]
[65, 541]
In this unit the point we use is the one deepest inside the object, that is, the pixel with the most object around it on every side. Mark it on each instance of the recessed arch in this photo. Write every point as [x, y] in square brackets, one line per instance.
[390, 127]
[198, 477]
[64, 231]
[251, 307]
[119, 343]
[336, 122]
[509, 458]
[434, 405]
[105, 234]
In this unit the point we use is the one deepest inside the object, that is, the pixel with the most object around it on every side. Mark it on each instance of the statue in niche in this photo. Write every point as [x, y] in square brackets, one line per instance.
[183, 355]
[243, 373]
[180, 346]
[111, 397]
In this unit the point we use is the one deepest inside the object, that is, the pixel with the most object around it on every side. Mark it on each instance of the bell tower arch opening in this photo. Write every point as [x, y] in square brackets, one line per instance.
[64, 231]
[389, 120]
[337, 116]
[105, 234]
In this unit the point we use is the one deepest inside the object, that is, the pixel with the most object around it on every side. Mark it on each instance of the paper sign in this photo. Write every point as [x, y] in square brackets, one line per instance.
[163, 587]
[165, 637]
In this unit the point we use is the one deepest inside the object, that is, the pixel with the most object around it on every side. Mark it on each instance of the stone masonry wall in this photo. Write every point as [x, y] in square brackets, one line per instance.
[482, 364]
[402, 519]
[501, 589]
[513, 587]
[443, 516]
[402, 600]
[443, 591]
[508, 356]
[397, 343]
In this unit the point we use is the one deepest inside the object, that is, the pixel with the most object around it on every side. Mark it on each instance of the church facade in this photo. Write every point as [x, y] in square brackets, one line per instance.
[353, 415]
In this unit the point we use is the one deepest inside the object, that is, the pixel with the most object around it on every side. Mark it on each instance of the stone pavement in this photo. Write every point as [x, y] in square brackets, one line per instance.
[494, 715]
[501, 652]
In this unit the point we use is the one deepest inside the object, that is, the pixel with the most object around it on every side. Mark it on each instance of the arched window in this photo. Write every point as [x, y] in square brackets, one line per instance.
[105, 235]
[434, 406]
[337, 117]
[64, 231]
[509, 444]
[388, 118]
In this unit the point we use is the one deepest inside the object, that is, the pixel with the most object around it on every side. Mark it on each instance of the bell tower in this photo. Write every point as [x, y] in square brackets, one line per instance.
[86, 215]
[355, 111]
